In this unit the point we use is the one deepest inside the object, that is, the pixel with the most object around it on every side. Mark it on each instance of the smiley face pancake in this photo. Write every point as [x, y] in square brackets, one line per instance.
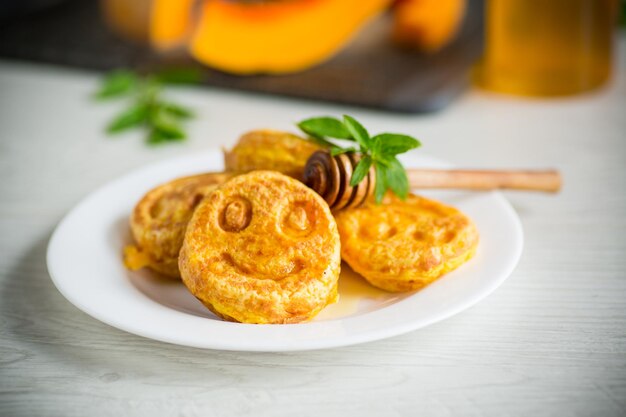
[159, 221]
[405, 245]
[262, 248]
[270, 150]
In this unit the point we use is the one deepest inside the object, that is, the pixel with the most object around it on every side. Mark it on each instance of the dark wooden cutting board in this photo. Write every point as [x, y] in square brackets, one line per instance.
[370, 72]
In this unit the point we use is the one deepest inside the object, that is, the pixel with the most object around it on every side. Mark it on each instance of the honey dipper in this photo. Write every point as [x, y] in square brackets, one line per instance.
[330, 177]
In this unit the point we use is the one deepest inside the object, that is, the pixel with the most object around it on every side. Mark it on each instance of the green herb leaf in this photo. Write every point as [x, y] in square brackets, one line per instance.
[116, 84]
[393, 143]
[177, 110]
[357, 131]
[131, 117]
[336, 150]
[361, 170]
[162, 119]
[381, 183]
[167, 125]
[156, 137]
[396, 179]
[320, 127]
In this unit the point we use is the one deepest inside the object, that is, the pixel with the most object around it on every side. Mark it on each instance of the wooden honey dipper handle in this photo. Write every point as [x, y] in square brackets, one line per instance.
[330, 177]
[547, 180]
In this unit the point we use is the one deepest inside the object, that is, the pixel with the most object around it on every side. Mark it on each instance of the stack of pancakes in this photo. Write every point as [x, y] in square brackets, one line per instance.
[255, 245]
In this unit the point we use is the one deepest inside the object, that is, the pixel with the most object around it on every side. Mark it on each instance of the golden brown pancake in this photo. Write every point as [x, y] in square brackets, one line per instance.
[270, 150]
[405, 245]
[159, 220]
[262, 248]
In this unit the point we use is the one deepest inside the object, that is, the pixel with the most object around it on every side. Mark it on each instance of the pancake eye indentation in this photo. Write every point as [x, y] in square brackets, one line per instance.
[298, 219]
[236, 215]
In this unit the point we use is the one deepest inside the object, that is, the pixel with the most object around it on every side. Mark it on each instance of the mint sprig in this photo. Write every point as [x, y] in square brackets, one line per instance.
[162, 120]
[379, 151]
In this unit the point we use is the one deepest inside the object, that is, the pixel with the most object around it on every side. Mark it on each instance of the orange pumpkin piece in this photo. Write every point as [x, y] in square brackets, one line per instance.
[277, 36]
[427, 25]
[171, 22]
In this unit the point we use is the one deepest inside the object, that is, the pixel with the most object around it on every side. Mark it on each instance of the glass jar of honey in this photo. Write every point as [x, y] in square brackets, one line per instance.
[547, 47]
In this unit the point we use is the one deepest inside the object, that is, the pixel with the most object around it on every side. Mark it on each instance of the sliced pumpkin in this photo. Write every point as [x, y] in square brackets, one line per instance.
[427, 25]
[276, 36]
[171, 22]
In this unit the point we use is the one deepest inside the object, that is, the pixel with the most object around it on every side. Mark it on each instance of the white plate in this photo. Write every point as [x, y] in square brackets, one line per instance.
[85, 263]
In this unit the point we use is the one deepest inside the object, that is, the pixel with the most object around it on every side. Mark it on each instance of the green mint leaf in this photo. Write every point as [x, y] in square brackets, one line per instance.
[131, 117]
[320, 127]
[361, 170]
[357, 131]
[381, 183]
[161, 119]
[180, 76]
[336, 150]
[382, 160]
[396, 179]
[177, 110]
[116, 84]
[166, 125]
[156, 137]
[393, 143]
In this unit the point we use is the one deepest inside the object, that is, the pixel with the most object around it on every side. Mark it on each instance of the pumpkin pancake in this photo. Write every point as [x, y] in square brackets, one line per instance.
[262, 248]
[159, 220]
[405, 245]
[270, 150]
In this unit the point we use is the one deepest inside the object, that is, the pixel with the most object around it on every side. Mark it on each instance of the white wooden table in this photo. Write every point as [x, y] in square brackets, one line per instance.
[550, 342]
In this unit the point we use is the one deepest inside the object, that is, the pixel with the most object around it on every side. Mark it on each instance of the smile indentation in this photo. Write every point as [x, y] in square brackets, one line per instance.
[291, 268]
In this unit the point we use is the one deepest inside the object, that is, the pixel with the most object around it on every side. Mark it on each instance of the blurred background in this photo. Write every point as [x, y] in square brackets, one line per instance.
[405, 56]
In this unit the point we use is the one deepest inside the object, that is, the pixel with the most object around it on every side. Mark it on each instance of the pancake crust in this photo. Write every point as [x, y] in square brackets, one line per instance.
[270, 150]
[159, 221]
[262, 248]
[405, 245]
